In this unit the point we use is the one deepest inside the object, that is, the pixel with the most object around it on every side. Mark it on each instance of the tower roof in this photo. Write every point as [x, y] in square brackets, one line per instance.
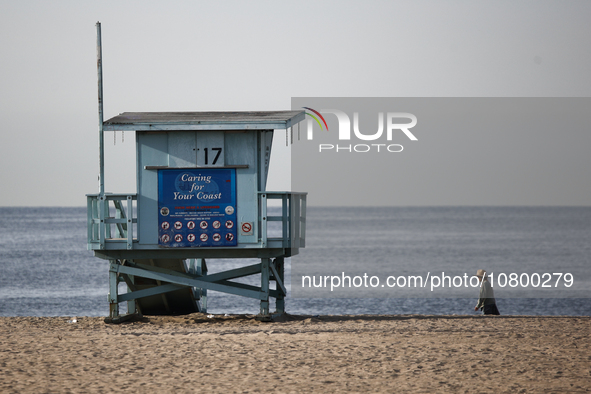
[244, 120]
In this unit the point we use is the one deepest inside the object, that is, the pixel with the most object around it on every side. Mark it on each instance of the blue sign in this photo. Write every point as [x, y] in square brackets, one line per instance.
[197, 208]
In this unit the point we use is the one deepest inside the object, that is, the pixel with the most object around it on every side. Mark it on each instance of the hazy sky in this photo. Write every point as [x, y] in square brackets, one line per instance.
[255, 55]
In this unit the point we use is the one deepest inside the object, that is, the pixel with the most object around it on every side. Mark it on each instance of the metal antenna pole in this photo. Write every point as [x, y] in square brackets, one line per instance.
[99, 63]
[102, 208]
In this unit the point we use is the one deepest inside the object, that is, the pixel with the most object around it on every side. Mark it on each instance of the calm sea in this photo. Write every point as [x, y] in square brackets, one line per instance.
[46, 269]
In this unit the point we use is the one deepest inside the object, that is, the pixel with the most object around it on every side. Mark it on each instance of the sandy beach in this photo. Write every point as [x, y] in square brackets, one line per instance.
[509, 354]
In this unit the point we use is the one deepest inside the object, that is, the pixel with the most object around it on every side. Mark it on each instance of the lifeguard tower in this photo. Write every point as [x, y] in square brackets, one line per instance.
[201, 194]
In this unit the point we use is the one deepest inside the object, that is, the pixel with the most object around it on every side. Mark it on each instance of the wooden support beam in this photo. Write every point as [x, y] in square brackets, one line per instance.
[229, 287]
[278, 279]
[234, 273]
[149, 292]
[164, 299]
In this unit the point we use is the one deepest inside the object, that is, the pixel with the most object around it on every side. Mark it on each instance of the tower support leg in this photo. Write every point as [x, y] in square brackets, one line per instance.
[265, 287]
[201, 269]
[113, 295]
[131, 306]
[280, 300]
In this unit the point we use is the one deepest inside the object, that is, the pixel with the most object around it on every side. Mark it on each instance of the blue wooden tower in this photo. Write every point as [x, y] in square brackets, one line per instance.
[201, 195]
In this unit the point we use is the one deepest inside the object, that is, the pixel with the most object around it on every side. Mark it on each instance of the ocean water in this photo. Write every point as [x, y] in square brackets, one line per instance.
[46, 269]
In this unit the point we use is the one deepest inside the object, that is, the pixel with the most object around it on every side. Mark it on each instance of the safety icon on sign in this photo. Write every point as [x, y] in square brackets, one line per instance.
[229, 237]
[203, 237]
[166, 238]
[178, 238]
[178, 225]
[191, 225]
[216, 237]
[246, 228]
[191, 237]
[165, 225]
[216, 224]
[203, 224]
[229, 224]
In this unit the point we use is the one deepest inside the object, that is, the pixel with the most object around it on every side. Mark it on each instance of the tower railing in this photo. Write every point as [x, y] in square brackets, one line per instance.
[102, 227]
[111, 220]
[292, 218]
